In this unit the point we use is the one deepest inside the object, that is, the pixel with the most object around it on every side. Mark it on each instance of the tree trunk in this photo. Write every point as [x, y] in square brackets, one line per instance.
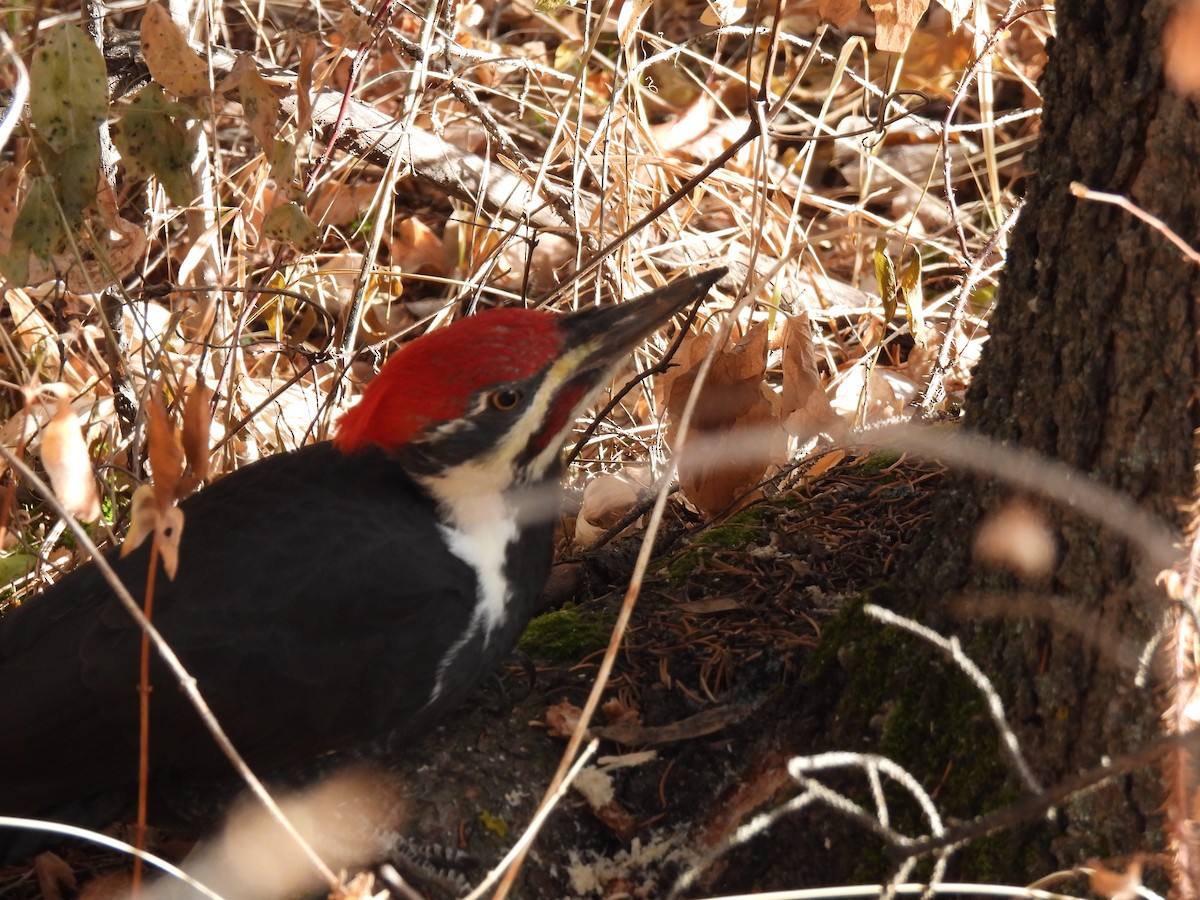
[1092, 361]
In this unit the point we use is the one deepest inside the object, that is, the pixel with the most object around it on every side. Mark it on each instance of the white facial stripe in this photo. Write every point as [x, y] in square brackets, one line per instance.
[558, 375]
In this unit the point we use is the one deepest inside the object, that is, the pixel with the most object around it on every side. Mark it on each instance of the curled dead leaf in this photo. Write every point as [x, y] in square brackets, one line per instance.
[804, 405]
[165, 451]
[735, 427]
[143, 518]
[197, 416]
[606, 499]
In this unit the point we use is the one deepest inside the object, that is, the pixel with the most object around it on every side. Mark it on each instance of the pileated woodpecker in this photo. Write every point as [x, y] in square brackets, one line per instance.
[333, 595]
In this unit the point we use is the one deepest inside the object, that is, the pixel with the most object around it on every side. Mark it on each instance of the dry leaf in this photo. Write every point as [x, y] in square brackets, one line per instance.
[260, 105]
[886, 396]
[66, 459]
[10, 180]
[958, 9]
[416, 250]
[735, 427]
[824, 464]
[629, 20]
[169, 57]
[291, 224]
[617, 712]
[703, 723]
[354, 28]
[197, 417]
[838, 12]
[336, 204]
[696, 121]
[804, 406]
[166, 453]
[606, 499]
[168, 533]
[709, 606]
[68, 89]
[143, 519]
[895, 21]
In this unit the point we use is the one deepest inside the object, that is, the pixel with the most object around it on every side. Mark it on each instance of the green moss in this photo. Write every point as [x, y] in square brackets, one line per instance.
[914, 707]
[566, 635]
[684, 565]
[878, 460]
[756, 515]
[730, 536]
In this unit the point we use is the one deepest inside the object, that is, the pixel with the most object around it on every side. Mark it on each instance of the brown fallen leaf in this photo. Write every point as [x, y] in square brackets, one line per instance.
[169, 57]
[415, 249]
[197, 419]
[837, 12]
[153, 510]
[617, 713]
[607, 499]
[895, 21]
[735, 427]
[804, 405]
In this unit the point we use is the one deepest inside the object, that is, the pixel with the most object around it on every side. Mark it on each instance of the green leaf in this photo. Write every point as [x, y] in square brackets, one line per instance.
[14, 565]
[37, 230]
[153, 141]
[75, 171]
[68, 89]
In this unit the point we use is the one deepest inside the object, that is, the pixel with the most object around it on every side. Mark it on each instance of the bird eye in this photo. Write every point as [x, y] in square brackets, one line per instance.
[505, 399]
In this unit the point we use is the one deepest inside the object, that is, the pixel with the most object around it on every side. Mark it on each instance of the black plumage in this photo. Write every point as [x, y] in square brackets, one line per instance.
[297, 652]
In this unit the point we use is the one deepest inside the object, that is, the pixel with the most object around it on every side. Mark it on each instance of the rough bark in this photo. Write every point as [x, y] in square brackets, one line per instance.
[1093, 362]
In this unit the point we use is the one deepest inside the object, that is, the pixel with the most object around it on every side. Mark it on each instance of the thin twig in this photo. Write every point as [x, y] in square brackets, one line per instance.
[1137, 212]
[111, 843]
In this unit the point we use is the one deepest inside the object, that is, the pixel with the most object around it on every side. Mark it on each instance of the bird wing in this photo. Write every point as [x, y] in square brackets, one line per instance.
[309, 603]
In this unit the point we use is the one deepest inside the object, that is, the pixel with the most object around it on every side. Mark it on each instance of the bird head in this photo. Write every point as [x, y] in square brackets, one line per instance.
[487, 402]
